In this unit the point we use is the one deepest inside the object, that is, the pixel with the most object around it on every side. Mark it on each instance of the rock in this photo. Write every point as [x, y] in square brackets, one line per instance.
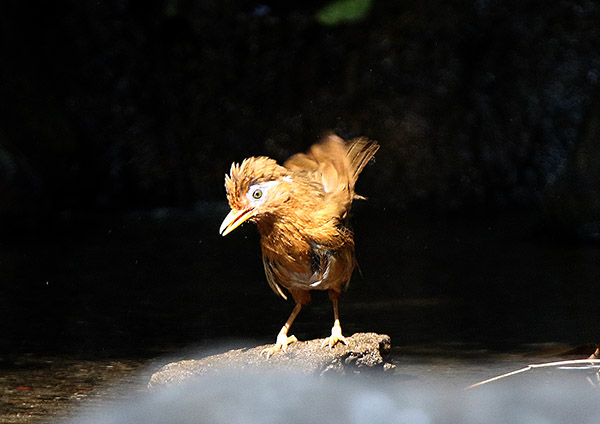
[364, 351]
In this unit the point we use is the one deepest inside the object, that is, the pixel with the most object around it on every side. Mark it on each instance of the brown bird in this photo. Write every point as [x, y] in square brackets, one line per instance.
[301, 210]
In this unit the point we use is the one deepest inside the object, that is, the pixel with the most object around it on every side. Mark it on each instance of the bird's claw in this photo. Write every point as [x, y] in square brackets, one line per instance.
[280, 344]
[336, 336]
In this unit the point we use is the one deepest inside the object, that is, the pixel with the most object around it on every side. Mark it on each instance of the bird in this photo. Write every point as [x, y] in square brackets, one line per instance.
[301, 210]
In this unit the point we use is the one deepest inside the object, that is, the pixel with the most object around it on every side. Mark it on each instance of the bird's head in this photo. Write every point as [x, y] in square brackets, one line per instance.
[254, 189]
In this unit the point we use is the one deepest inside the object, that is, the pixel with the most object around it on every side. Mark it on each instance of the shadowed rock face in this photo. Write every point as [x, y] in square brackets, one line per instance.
[477, 105]
[364, 352]
[573, 201]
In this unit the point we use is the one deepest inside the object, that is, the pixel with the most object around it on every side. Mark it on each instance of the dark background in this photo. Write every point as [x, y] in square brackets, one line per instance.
[119, 119]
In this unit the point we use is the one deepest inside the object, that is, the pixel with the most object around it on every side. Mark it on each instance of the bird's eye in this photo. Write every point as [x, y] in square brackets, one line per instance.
[257, 194]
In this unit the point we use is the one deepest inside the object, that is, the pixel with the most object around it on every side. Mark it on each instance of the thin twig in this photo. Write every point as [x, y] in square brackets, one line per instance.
[532, 366]
[589, 380]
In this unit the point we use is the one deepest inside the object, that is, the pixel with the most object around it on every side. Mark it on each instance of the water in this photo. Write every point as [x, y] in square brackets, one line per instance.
[254, 398]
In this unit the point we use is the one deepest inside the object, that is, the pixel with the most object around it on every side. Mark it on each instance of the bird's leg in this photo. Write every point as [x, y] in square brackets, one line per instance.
[336, 330]
[282, 338]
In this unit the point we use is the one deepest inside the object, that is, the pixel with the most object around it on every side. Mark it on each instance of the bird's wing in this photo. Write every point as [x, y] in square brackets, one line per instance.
[327, 269]
[273, 272]
[335, 163]
[280, 274]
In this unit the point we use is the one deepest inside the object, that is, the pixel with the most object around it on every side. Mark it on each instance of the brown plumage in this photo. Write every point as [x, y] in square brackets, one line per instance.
[301, 209]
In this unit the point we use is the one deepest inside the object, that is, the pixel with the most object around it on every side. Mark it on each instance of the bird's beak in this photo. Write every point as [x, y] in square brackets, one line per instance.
[234, 219]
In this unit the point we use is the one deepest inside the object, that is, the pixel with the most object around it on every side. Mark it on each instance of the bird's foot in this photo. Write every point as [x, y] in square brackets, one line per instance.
[336, 336]
[280, 344]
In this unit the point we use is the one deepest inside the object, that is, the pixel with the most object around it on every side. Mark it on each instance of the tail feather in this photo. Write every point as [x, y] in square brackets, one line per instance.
[360, 151]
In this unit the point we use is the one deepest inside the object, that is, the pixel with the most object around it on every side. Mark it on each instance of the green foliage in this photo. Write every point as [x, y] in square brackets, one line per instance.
[342, 11]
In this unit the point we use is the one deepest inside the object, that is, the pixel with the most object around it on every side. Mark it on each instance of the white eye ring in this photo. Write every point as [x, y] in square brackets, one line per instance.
[257, 192]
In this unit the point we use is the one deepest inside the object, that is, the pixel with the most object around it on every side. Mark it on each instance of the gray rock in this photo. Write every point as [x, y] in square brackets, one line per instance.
[364, 351]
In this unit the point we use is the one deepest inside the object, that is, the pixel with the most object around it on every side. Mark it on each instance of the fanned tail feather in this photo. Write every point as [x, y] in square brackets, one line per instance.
[360, 151]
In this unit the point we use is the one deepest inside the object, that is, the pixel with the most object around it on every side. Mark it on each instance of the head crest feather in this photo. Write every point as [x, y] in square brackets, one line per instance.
[252, 170]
